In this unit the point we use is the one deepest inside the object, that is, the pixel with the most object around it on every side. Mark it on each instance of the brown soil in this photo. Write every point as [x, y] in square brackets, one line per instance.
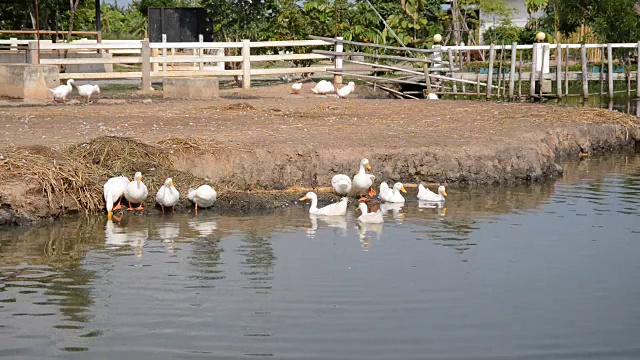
[269, 139]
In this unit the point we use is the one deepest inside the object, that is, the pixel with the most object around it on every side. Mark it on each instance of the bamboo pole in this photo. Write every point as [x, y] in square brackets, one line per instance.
[451, 67]
[559, 71]
[610, 69]
[492, 55]
[585, 76]
[534, 66]
[513, 68]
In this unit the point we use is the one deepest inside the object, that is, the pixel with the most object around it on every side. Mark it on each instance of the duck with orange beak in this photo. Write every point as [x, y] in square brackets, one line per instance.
[363, 182]
[168, 195]
[136, 192]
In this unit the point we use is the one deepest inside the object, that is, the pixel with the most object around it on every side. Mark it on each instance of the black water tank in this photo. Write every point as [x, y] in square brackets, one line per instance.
[179, 24]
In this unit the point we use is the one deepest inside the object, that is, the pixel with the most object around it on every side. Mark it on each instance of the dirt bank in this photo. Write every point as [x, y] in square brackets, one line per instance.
[274, 141]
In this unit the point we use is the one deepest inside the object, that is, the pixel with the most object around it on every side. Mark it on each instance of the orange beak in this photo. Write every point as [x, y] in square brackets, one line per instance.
[444, 192]
[368, 166]
[402, 189]
[372, 192]
[171, 183]
[109, 215]
[304, 198]
[139, 180]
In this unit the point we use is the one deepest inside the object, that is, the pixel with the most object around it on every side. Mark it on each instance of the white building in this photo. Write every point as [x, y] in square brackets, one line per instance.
[519, 18]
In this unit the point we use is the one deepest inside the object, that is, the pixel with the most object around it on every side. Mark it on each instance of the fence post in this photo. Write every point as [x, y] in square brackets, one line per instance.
[427, 77]
[200, 53]
[543, 62]
[559, 70]
[610, 69]
[246, 64]
[638, 76]
[145, 52]
[337, 78]
[453, 75]
[33, 53]
[164, 52]
[534, 69]
[492, 56]
[512, 79]
[585, 75]
[14, 44]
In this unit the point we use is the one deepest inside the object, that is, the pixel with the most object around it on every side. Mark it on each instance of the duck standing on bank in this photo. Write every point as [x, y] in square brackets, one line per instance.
[337, 209]
[346, 90]
[425, 194]
[341, 184]
[114, 190]
[136, 192]
[363, 182]
[204, 196]
[323, 87]
[296, 87]
[88, 90]
[61, 92]
[168, 195]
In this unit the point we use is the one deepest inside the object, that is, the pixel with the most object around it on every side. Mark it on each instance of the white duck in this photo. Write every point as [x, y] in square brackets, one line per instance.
[341, 184]
[428, 195]
[369, 217]
[323, 87]
[114, 189]
[396, 197]
[136, 192]
[168, 195]
[61, 92]
[296, 87]
[346, 90]
[432, 96]
[385, 192]
[337, 209]
[88, 90]
[204, 196]
[363, 182]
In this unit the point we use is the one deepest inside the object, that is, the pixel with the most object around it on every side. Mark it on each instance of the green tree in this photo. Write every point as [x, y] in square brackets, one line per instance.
[143, 5]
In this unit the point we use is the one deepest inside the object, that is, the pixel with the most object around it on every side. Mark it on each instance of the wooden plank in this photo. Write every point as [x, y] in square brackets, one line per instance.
[47, 32]
[512, 72]
[492, 55]
[196, 73]
[610, 69]
[427, 78]
[101, 46]
[378, 66]
[100, 76]
[114, 60]
[195, 59]
[289, 57]
[196, 45]
[379, 79]
[500, 70]
[296, 70]
[246, 64]
[384, 57]
[585, 79]
[377, 46]
[559, 70]
[291, 43]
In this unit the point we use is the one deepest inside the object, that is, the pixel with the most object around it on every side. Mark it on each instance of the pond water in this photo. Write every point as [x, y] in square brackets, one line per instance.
[543, 271]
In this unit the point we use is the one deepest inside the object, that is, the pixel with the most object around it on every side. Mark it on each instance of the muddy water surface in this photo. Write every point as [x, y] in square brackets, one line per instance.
[541, 271]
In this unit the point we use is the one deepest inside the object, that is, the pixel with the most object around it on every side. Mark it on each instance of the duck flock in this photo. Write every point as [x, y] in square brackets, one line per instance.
[136, 192]
[61, 92]
[324, 87]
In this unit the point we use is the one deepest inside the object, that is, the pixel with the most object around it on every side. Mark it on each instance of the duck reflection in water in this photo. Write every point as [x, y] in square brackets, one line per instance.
[168, 232]
[395, 209]
[203, 227]
[338, 223]
[365, 232]
[134, 233]
[442, 211]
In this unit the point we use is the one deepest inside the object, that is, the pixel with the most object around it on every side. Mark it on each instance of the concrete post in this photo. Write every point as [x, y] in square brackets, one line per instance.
[246, 64]
[512, 73]
[610, 69]
[492, 57]
[534, 68]
[164, 52]
[559, 70]
[201, 52]
[337, 78]
[146, 66]
[33, 53]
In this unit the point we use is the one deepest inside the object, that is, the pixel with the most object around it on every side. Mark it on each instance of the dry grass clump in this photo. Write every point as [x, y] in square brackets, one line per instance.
[125, 156]
[59, 175]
